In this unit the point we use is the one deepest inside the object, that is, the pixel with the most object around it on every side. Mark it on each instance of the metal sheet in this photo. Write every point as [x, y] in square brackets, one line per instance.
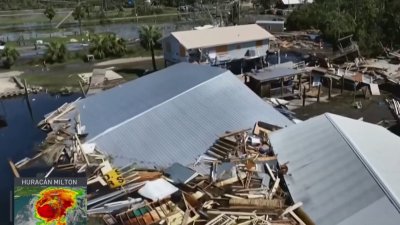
[327, 174]
[173, 115]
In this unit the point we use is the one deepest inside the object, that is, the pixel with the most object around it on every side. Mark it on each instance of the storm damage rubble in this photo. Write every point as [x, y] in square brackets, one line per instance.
[238, 180]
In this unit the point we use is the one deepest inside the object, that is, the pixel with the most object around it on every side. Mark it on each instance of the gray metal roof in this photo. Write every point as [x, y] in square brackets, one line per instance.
[345, 171]
[173, 115]
[274, 73]
[121, 103]
[280, 22]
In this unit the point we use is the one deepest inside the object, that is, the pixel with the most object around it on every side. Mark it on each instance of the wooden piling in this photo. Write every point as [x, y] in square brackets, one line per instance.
[14, 169]
[319, 92]
[342, 88]
[304, 96]
[83, 91]
[330, 89]
[26, 89]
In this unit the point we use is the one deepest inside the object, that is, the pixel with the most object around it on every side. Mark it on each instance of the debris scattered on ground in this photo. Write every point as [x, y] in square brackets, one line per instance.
[244, 183]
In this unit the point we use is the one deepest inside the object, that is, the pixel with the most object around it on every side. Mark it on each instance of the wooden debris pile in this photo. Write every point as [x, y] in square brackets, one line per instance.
[62, 149]
[244, 186]
[238, 180]
[394, 106]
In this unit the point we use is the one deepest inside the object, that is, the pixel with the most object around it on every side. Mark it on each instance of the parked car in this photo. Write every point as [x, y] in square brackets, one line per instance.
[2, 45]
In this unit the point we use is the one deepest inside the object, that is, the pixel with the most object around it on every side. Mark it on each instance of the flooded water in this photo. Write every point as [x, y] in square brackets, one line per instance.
[128, 31]
[21, 136]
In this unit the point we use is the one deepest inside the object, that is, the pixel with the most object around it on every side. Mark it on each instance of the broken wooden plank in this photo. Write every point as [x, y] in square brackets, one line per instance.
[264, 203]
[270, 172]
[274, 188]
[234, 132]
[232, 196]
[81, 149]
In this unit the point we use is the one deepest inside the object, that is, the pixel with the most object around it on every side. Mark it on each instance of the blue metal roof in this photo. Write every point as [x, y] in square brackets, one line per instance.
[114, 106]
[339, 172]
[173, 115]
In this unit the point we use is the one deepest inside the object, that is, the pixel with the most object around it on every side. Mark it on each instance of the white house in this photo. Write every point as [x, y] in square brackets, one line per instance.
[294, 3]
[216, 46]
[272, 26]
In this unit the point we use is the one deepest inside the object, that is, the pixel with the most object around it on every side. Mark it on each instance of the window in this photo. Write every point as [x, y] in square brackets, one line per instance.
[221, 49]
[259, 43]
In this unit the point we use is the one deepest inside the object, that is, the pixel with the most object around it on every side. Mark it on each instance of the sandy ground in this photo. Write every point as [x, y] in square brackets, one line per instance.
[116, 62]
[6, 82]
[374, 108]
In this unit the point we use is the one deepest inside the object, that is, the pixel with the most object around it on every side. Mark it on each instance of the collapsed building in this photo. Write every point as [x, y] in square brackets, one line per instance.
[192, 144]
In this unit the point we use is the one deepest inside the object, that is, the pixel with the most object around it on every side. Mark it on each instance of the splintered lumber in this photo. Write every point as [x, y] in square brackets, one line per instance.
[262, 159]
[274, 188]
[81, 149]
[144, 175]
[13, 168]
[290, 210]
[258, 203]
[270, 172]
[234, 132]
[231, 180]
[222, 219]
[218, 212]
[232, 196]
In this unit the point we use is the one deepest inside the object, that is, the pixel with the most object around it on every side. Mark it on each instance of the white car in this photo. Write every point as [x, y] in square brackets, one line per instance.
[2, 45]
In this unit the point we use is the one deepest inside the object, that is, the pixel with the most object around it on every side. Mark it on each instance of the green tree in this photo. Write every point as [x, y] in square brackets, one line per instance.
[10, 55]
[56, 52]
[88, 8]
[371, 21]
[265, 4]
[79, 14]
[149, 36]
[109, 45]
[50, 13]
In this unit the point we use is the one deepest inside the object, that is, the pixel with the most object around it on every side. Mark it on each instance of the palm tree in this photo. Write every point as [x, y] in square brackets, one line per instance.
[97, 47]
[56, 52]
[149, 35]
[109, 45]
[79, 14]
[50, 14]
[10, 55]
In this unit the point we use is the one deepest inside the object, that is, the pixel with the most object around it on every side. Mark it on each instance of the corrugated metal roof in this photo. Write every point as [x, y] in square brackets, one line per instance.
[280, 22]
[274, 73]
[121, 103]
[341, 169]
[173, 115]
[218, 36]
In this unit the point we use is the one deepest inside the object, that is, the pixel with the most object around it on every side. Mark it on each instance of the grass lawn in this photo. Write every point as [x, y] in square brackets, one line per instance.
[65, 75]
[53, 82]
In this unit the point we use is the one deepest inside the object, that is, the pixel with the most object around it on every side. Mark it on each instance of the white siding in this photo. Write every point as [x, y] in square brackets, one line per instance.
[235, 51]
[238, 53]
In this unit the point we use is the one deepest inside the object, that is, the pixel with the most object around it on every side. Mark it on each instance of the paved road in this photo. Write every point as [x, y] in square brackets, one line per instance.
[29, 52]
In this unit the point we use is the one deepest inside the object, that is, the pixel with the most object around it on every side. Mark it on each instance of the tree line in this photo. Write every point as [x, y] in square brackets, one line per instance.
[372, 22]
[101, 46]
[104, 4]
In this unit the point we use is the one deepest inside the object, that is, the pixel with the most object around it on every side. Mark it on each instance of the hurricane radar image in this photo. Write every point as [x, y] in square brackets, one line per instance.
[52, 205]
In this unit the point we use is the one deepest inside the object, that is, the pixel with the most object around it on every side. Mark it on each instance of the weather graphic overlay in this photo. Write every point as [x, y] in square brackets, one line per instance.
[55, 201]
